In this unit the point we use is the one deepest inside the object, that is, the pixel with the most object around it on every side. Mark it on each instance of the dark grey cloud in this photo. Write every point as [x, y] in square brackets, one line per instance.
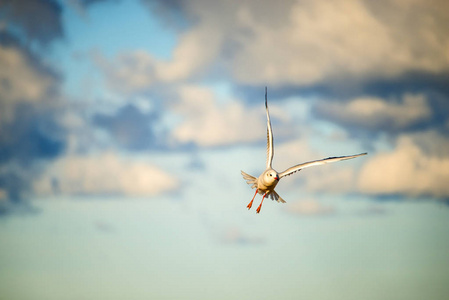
[30, 131]
[369, 115]
[436, 85]
[33, 134]
[172, 12]
[86, 3]
[38, 20]
[131, 128]
[29, 128]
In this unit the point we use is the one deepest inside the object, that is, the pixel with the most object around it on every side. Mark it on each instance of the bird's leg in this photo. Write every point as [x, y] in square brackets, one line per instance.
[251, 203]
[260, 205]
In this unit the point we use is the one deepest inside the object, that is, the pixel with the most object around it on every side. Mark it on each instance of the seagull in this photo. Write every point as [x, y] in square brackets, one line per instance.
[268, 180]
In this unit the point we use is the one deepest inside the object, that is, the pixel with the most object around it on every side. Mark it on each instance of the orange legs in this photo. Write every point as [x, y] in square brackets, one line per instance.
[251, 203]
[260, 206]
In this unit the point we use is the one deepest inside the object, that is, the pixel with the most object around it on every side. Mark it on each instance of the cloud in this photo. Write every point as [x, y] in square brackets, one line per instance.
[128, 73]
[288, 153]
[337, 178]
[309, 207]
[409, 169]
[131, 128]
[103, 174]
[417, 166]
[306, 43]
[375, 114]
[29, 108]
[38, 20]
[23, 79]
[28, 105]
[338, 46]
[207, 123]
[3, 200]
[33, 134]
[135, 72]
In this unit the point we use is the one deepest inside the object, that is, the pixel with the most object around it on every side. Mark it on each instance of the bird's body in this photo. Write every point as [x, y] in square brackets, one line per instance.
[268, 180]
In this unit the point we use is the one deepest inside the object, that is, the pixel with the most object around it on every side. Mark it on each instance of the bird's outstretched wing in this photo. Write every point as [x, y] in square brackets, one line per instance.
[296, 168]
[251, 180]
[270, 147]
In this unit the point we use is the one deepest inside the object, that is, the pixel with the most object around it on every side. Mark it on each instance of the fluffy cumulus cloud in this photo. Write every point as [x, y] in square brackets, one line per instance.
[335, 178]
[290, 153]
[29, 105]
[128, 73]
[410, 169]
[103, 174]
[138, 71]
[319, 46]
[416, 166]
[304, 43]
[22, 79]
[208, 123]
[372, 113]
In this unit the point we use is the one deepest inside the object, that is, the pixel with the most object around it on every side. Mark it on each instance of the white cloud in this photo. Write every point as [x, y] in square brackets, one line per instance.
[291, 153]
[306, 42]
[138, 71]
[339, 177]
[128, 72]
[103, 174]
[4, 200]
[20, 81]
[294, 43]
[208, 123]
[317, 40]
[196, 50]
[407, 170]
[417, 166]
[376, 113]
[3, 195]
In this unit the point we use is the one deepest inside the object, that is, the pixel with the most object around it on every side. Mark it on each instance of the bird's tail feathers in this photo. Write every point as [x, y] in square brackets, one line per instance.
[250, 179]
[274, 196]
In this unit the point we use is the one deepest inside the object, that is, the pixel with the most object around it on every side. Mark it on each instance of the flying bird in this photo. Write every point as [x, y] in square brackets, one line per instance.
[268, 180]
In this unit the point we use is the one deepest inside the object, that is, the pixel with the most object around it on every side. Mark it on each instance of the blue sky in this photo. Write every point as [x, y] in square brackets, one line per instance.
[124, 126]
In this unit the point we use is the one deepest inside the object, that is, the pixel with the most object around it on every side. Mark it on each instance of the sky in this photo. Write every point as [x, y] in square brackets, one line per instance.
[124, 126]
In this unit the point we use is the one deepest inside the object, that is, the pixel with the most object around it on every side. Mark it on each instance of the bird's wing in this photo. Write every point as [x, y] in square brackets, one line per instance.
[270, 147]
[251, 180]
[296, 168]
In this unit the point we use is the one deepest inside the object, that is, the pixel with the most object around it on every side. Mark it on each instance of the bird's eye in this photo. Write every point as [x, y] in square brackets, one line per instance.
[271, 174]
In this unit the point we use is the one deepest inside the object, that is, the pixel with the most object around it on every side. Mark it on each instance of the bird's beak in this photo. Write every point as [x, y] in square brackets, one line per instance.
[277, 178]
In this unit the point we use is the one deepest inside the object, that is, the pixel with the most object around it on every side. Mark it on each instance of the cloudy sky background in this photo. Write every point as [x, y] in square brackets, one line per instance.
[124, 126]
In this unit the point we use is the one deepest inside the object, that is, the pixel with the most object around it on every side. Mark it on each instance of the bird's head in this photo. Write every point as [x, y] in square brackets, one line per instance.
[271, 177]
